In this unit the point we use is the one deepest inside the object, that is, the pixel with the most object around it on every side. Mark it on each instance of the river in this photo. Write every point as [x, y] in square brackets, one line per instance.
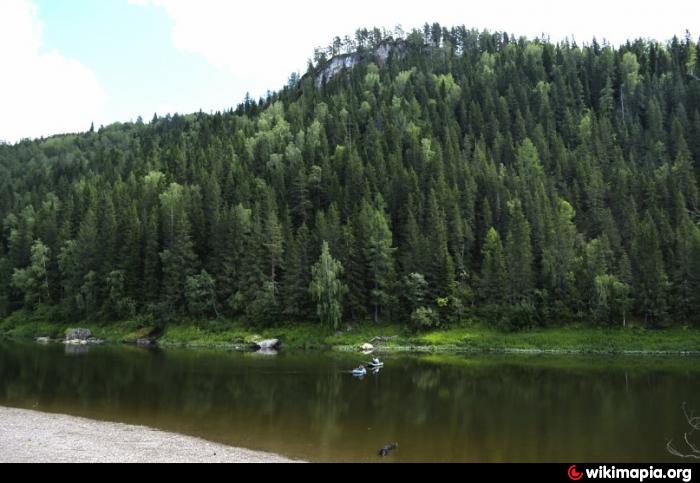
[306, 405]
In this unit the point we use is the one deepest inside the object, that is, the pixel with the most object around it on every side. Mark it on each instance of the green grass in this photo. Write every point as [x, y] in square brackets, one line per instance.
[300, 336]
[573, 339]
[470, 337]
[24, 325]
[227, 333]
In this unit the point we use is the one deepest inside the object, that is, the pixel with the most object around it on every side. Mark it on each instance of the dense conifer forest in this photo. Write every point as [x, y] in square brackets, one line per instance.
[447, 174]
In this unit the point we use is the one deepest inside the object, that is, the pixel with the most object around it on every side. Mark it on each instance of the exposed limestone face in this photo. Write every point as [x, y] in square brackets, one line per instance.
[78, 334]
[385, 49]
[335, 66]
[341, 63]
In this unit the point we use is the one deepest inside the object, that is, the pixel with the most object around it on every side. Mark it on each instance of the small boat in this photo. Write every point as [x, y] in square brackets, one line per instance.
[375, 365]
[360, 371]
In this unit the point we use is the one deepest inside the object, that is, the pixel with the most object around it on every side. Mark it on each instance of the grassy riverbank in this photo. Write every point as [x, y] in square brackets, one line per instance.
[470, 337]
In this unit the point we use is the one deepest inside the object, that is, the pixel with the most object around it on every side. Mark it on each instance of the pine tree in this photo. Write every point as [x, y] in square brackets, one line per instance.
[274, 242]
[356, 273]
[379, 253]
[519, 258]
[151, 259]
[685, 279]
[200, 292]
[178, 258]
[440, 271]
[297, 276]
[651, 282]
[559, 253]
[493, 270]
[694, 277]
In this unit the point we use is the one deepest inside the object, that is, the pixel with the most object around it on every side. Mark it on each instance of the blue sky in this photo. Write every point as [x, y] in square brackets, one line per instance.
[67, 63]
[130, 50]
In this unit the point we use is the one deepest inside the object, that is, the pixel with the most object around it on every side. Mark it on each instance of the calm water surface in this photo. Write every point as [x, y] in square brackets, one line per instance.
[306, 405]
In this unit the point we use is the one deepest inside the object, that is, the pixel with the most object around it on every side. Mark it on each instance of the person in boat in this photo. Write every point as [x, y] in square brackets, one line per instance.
[375, 361]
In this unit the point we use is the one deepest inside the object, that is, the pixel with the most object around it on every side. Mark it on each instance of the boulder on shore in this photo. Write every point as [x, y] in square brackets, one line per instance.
[367, 347]
[269, 344]
[43, 340]
[78, 334]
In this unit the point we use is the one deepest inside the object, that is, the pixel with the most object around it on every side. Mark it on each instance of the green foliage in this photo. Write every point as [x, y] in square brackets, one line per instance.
[378, 252]
[327, 290]
[559, 255]
[200, 291]
[649, 274]
[424, 318]
[519, 257]
[264, 308]
[33, 281]
[121, 306]
[613, 300]
[178, 259]
[630, 69]
[414, 292]
[467, 174]
[518, 317]
[493, 271]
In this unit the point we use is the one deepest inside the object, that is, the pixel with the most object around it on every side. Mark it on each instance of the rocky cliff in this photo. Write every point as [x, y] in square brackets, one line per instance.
[341, 63]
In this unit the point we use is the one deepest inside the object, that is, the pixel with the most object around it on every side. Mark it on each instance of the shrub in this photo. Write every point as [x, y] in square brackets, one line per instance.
[424, 318]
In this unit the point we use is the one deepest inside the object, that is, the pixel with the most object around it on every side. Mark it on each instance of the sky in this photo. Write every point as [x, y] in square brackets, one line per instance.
[69, 63]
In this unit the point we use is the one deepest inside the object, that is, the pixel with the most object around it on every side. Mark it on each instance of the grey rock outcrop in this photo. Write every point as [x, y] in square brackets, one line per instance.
[341, 63]
[78, 334]
[268, 345]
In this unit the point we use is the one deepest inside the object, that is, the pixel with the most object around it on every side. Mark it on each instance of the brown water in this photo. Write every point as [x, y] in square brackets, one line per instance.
[307, 405]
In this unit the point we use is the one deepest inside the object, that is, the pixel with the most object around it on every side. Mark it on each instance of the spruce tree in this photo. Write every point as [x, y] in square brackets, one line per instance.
[492, 287]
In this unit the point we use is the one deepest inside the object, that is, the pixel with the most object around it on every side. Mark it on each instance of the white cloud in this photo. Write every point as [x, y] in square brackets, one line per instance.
[41, 92]
[260, 43]
[257, 44]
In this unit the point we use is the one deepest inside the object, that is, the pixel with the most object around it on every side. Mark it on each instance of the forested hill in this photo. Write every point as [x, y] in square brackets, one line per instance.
[463, 175]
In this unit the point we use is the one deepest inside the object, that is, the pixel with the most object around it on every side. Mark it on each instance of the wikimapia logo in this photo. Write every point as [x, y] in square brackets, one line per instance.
[638, 474]
[574, 474]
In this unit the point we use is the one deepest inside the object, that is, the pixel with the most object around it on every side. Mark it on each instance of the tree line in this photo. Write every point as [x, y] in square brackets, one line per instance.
[477, 175]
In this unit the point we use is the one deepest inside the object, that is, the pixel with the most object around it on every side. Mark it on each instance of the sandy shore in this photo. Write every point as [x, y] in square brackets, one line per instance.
[30, 436]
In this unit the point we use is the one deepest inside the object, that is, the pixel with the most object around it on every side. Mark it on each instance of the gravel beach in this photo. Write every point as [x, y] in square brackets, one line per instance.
[30, 436]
